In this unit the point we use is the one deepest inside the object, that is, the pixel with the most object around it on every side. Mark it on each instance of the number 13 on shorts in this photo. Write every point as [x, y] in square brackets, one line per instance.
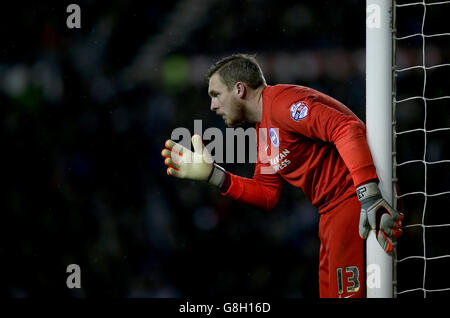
[348, 279]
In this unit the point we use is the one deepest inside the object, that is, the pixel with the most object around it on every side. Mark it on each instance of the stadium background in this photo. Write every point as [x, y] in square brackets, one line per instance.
[85, 113]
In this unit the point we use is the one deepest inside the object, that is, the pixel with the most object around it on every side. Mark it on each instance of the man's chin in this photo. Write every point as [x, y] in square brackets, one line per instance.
[231, 123]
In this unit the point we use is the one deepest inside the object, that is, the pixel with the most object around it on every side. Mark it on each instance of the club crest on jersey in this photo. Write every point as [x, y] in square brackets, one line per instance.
[274, 137]
[299, 111]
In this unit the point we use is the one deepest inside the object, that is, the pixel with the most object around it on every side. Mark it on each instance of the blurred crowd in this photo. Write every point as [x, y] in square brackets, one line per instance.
[85, 114]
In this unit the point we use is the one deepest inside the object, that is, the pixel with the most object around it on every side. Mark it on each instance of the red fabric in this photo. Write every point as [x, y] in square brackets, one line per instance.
[341, 265]
[262, 191]
[323, 151]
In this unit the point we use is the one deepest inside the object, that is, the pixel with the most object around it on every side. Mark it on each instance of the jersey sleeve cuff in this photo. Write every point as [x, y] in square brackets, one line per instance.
[364, 175]
[234, 189]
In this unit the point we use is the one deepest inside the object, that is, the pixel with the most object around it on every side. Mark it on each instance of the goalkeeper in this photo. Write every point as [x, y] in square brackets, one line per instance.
[322, 150]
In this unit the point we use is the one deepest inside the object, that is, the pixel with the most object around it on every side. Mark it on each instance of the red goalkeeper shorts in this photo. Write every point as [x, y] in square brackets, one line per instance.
[341, 266]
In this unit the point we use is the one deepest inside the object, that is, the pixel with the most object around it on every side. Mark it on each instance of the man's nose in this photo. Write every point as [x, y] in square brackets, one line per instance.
[213, 106]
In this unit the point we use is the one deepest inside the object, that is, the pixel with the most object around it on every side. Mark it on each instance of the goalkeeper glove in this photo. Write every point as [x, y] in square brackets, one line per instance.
[378, 215]
[198, 165]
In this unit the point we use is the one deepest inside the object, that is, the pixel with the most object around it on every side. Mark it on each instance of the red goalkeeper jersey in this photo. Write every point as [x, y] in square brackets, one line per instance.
[310, 140]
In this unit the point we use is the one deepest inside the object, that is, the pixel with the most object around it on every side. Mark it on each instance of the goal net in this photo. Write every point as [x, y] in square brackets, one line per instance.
[421, 139]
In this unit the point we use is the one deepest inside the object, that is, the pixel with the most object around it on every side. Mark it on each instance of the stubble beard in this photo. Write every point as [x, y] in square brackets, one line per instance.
[237, 116]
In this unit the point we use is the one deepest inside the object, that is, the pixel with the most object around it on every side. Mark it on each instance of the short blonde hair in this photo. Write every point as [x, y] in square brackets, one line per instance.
[238, 68]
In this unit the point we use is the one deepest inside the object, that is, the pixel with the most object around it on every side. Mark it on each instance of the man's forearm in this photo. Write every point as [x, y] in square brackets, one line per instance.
[251, 191]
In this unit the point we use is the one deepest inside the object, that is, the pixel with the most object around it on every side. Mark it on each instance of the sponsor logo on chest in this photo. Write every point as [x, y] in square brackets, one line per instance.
[280, 161]
[280, 157]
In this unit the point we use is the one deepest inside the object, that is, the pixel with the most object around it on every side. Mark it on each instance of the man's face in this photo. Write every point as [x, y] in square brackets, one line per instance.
[224, 102]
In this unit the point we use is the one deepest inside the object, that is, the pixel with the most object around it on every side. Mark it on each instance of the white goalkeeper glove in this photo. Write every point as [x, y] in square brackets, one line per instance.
[198, 165]
[378, 215]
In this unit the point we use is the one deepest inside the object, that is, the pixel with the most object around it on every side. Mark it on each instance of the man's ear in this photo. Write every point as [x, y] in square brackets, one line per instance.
[241, 90]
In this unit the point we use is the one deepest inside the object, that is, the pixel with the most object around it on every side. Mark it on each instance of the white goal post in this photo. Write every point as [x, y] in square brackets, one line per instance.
[379, 62]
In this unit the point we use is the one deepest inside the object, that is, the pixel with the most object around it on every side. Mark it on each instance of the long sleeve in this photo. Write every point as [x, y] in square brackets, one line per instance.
[263, 190]
[328, 120]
